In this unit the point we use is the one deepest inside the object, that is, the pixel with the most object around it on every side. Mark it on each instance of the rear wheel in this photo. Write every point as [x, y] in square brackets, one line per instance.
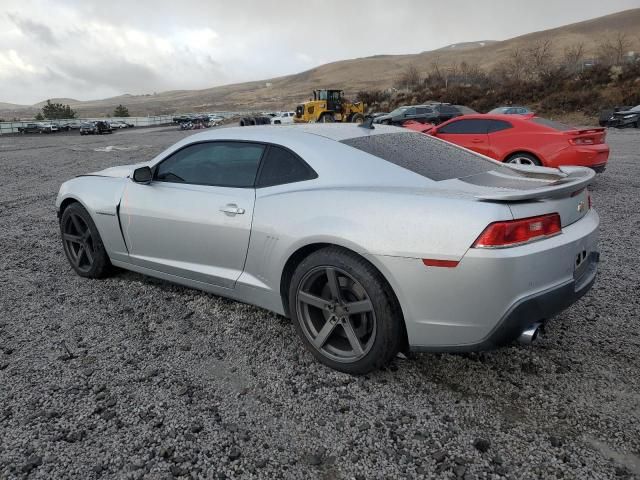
[82, 243]
[343, 311]
[523, 159]
[357, 118]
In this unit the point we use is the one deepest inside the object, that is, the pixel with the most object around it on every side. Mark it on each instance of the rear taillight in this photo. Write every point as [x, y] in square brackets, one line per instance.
[582, 141]
[516, 232]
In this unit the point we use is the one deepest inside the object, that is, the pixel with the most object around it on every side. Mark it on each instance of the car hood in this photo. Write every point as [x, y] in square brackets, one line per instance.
[122, 171]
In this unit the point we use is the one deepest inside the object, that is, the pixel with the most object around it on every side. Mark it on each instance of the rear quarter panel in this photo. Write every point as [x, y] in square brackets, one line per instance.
[373, 222]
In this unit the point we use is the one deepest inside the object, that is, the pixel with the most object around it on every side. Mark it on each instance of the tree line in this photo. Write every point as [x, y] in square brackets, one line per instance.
[565, 81]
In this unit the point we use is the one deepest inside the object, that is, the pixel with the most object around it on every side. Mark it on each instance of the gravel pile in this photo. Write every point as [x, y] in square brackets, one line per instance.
[132, 377]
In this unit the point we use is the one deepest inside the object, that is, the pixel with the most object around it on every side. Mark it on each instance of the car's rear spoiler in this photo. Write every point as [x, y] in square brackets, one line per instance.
[565, 181]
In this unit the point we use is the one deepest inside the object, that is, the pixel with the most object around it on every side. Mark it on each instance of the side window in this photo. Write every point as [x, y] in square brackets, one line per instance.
[422, 110]
[222, 164]
[468, 126]
[498, 125]
[280, 166]
[410, 111]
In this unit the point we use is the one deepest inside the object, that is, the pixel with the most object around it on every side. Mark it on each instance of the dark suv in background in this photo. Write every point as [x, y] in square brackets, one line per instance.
[435, 113]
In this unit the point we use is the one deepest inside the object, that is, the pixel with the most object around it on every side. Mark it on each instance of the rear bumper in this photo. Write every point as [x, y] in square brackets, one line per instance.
[492, 295]
[529, 311]
[593, 156]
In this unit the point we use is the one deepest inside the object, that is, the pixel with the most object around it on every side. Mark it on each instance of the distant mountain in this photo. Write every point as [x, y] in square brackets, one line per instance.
[374, 72]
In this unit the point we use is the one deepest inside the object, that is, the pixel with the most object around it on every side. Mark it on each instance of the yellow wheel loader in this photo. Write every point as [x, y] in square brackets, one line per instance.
[329, 106]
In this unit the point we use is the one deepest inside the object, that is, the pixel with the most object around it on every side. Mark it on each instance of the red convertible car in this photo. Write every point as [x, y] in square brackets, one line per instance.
[523, 139]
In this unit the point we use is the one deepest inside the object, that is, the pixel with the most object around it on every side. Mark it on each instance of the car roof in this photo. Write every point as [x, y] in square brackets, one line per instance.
[283, 133]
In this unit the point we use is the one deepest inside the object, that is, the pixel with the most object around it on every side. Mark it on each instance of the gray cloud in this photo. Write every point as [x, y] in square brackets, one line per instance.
[37, 31]
[98, 50]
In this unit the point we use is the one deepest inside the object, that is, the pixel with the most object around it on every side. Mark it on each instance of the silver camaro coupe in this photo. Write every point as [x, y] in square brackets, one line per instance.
[372, 240]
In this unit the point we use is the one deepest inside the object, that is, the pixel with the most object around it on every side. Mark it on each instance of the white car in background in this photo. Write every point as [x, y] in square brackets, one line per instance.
[282, 118]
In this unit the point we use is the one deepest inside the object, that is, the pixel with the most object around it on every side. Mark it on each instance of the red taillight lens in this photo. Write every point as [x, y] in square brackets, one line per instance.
[516, 232]
[583, 141]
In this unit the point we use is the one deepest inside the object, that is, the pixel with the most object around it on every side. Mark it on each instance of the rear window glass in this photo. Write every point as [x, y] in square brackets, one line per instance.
[424, 155]
[551, 124]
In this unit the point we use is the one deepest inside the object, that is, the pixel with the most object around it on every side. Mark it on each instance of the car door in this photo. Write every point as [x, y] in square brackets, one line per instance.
[424, 114]
[470, 133]
[193, 220]
[408, 114]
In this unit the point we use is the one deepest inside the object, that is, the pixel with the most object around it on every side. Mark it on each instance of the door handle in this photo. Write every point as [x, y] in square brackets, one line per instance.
[232, 209]
[476, 140]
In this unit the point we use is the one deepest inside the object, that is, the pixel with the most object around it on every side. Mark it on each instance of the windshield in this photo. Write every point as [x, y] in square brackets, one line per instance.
[635, 109]
[397, 111]
[499, 110]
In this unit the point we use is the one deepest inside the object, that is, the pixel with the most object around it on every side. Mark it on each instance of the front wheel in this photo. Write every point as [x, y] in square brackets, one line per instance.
[344, 312]
[357, 118]
[523, 159]
[82, 243]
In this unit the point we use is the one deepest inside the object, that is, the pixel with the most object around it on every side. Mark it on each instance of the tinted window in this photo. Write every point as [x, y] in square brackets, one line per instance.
[425, 155]
[282, 166]
[498, 125]
[423, 110]
[551, 124]
[447, 109]
[223, 164]
[410, 111]
[469, 126]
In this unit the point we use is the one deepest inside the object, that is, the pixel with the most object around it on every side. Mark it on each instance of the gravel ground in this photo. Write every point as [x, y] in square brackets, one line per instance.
[131, 377]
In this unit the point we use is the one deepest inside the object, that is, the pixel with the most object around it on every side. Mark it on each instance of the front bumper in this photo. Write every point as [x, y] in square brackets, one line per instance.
[493, 294]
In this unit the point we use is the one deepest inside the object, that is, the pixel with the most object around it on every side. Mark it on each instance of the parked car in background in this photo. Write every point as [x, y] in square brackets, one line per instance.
[87, 128]
[118, 124]
[282, 118]
[417, 113]
[512, 110]
[29, 128]
[48, 127]
[524, 140]
[95, 128]
[629, 117]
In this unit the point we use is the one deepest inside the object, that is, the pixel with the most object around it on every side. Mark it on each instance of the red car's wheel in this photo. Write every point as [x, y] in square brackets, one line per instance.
[524, 159]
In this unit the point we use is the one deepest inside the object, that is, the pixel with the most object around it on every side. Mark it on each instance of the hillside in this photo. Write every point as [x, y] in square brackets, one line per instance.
[376, 72]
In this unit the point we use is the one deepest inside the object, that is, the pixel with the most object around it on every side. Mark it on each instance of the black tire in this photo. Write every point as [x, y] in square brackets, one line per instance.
[523, 159]
[357, 118]
[82, 244]
[327, 118]
[378, 331]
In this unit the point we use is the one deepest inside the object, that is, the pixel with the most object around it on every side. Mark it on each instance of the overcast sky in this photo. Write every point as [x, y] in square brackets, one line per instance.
[96, 49]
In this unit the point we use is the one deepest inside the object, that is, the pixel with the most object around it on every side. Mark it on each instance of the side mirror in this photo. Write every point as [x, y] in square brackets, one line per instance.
[142, 175]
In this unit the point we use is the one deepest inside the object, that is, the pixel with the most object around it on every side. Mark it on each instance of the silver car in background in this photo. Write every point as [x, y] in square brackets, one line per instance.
[372, 240]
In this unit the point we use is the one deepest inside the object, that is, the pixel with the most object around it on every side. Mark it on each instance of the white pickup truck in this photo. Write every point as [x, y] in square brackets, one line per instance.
[282, 118]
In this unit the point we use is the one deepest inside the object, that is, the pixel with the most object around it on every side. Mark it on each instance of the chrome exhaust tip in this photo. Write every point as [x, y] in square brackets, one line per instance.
[529, 335]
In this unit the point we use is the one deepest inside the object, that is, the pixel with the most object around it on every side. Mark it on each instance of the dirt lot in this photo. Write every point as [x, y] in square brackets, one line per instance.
[131, 377]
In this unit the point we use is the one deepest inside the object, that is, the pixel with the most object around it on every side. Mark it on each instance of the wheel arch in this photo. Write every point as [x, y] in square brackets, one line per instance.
[304, 251]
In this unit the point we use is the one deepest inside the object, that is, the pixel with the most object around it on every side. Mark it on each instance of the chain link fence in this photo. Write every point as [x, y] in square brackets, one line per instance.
[12, 127]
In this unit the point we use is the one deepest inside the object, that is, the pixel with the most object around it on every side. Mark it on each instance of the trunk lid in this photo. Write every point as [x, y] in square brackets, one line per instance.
[533, 191]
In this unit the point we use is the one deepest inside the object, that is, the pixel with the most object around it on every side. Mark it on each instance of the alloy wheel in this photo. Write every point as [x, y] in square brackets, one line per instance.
[78, 242]
[522, 161]
[336, 314]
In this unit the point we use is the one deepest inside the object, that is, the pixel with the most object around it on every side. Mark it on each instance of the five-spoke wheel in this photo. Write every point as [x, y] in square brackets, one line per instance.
[82, 244]
[344, 311]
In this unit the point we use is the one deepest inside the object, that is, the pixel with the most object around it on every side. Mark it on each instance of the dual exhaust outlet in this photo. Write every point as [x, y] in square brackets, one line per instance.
[530, 334]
